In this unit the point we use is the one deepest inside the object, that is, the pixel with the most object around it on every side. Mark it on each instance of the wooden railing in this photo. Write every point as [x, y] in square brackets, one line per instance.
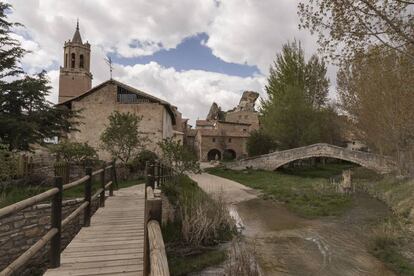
[155, 257]
[55, 232]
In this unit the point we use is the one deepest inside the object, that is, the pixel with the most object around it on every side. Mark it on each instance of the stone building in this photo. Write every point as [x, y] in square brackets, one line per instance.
[97, 103]
[75, 77]
[223, 135]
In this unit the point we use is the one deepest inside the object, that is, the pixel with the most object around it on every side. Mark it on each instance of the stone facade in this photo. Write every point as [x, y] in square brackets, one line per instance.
[21, 230]
[98, 103]
[274, 160]
[223, 135]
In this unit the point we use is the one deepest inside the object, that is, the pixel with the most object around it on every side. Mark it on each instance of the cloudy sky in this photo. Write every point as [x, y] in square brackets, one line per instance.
[187, 52]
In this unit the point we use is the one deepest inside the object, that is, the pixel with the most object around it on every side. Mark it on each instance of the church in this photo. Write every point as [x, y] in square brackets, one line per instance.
[160, 119]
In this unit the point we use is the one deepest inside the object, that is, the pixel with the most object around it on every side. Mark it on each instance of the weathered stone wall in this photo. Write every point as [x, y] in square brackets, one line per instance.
[237, 144]
[245, 117]
[274, 160]
[21, 230]
[96, 107]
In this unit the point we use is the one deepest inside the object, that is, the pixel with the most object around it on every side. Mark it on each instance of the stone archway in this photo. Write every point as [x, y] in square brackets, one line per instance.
[214, 154]
[272, 161]
[229, 154]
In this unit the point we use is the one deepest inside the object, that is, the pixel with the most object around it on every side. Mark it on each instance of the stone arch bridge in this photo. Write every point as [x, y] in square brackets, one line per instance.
[274, 160]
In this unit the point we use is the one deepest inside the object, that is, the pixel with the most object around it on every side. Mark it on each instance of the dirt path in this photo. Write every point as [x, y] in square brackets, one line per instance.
[231, 191]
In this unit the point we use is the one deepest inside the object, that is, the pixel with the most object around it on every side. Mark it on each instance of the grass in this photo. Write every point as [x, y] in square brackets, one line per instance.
[182, 265]
[386, 241]
[12, 195]
[306, 192]
[200, 225]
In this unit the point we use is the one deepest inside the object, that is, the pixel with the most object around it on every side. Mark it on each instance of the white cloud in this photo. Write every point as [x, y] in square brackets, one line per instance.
[252, 32]
[192, 91]
[240, 31]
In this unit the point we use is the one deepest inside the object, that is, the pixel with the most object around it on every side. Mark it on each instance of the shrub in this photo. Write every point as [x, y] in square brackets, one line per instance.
[8, 163]
[204, 221]
[73, 152]
[138, 163]
[180, 157]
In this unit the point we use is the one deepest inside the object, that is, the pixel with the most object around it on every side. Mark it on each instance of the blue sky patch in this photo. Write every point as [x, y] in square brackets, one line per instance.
[191, 54]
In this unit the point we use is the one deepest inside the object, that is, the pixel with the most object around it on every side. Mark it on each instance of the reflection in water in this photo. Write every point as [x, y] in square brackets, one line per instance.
[287, 244]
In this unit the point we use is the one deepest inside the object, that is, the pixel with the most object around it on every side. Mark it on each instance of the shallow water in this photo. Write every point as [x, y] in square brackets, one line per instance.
[287, 244]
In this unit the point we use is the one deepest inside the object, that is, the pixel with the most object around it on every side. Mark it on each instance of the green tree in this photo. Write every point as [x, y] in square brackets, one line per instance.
[352, 26]
[297, 95]
[179, 157]
[259, 143]
[376, 92]
[73, 152]
[26, 117]
[122, 138]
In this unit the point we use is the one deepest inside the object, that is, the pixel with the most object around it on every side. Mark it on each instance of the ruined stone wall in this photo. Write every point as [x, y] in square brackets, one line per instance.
[100, 104]
[245, 117]
[21, 230]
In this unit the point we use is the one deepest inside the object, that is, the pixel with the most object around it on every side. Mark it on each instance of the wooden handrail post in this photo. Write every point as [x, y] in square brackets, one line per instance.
[146, 174]
[102, 195]
[56, 222]
[88, 195]
[161, 174]
[111, 187]
[114, 174]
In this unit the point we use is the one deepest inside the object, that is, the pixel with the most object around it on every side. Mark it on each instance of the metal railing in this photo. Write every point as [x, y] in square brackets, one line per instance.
[55, 232]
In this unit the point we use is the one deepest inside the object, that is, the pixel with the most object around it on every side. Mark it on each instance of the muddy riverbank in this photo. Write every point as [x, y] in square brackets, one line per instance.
[287, 244]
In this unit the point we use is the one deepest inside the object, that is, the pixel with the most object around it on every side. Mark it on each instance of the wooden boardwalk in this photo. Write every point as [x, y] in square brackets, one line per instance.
[114, 242]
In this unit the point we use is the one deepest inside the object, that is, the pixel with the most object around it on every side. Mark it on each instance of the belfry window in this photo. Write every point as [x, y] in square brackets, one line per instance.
[81, 61]
[72, 62]
[66, 60]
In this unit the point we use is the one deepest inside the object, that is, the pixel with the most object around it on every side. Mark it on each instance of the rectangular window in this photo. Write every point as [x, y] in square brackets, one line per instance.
[229, 140]
[126, 97]
[214, 140]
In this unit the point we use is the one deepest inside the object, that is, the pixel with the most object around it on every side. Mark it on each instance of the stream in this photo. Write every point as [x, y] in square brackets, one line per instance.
[286, 244]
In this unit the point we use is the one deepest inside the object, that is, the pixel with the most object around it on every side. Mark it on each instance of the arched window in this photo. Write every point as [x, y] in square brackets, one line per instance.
[81, 61]
[66, 60]
[72, 62]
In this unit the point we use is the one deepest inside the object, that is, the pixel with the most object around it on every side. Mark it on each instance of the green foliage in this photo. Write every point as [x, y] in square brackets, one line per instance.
[8, 163]
[295, 113]
[26, 117]
[138, 163]
[183, 265]
[308, 196]
[259, 143]
[122, 138]
[386, 241]
[179, 157]
[73, 152]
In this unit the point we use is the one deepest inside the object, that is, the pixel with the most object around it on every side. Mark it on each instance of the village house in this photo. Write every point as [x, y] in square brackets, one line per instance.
[224, 135]
[97, 103]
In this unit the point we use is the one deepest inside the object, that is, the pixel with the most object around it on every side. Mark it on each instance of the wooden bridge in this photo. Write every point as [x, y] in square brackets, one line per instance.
[114, 242]
[124, 238]
[274, 160]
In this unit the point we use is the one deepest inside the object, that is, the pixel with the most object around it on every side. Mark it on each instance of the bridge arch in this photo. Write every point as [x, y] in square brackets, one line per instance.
[272, 161]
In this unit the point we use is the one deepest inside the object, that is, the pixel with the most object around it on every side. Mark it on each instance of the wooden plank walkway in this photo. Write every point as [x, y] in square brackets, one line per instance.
[114, 242]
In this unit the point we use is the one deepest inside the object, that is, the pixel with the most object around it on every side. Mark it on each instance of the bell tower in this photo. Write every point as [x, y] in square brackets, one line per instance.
[75, 77]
